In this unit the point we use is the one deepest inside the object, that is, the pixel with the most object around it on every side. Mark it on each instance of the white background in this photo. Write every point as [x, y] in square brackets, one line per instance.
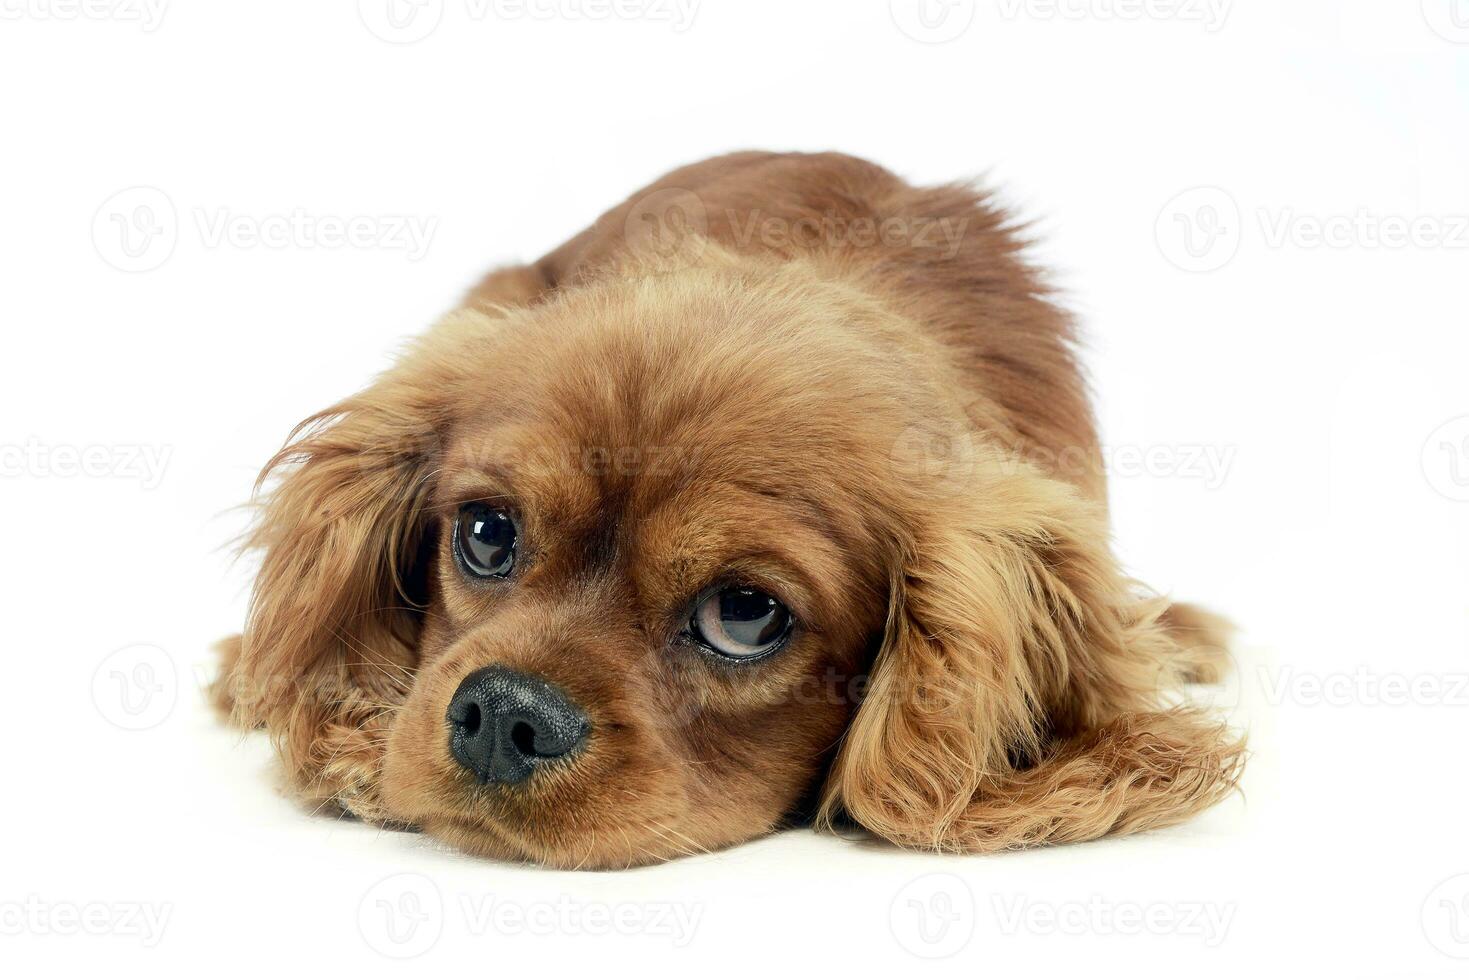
[1326, 380]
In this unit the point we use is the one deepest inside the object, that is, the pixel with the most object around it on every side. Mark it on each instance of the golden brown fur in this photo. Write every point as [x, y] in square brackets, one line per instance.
[891, 435]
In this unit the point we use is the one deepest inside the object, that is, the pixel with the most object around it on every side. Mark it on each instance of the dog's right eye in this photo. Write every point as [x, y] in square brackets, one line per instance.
[741, 624]
[484, 541]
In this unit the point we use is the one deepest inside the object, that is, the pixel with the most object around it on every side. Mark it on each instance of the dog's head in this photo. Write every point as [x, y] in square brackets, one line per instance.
[647, 567]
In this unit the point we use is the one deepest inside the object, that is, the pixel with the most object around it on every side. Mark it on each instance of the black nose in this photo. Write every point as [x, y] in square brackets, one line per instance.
[503, 723]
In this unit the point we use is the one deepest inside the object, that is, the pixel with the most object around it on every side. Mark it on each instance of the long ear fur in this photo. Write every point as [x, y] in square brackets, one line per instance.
[1016, 698]
[330, 643]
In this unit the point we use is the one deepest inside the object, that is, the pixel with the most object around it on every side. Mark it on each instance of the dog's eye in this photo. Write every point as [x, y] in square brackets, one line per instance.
[741, 623]
[484, 539]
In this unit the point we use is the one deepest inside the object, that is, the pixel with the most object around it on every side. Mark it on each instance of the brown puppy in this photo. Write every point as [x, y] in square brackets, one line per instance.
[775, 493]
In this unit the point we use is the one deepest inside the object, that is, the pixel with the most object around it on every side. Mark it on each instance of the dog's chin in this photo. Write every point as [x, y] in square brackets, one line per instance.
[551, 842]
[546, 822]
[612, 849]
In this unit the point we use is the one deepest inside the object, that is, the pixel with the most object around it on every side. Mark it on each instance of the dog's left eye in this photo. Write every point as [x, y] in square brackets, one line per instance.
[741, 623]
[484, 539]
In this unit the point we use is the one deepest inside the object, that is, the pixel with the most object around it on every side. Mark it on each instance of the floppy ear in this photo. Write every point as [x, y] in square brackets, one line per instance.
[1016, 697]
[330, 642]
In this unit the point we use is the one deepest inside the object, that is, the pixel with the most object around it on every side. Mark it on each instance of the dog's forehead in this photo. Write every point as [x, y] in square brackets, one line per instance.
[633, 397]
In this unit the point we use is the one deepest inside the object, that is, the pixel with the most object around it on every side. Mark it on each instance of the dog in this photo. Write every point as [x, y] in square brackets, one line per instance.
[772, 498]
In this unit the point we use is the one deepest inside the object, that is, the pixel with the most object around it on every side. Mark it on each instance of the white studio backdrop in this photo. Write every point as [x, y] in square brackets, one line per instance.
[217, 218]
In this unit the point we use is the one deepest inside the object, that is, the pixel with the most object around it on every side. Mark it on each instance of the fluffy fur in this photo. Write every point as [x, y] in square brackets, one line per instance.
[889, 431]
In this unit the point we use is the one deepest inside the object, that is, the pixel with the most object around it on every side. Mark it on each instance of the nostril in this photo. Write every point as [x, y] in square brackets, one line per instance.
[523, 737]
[472, 720]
